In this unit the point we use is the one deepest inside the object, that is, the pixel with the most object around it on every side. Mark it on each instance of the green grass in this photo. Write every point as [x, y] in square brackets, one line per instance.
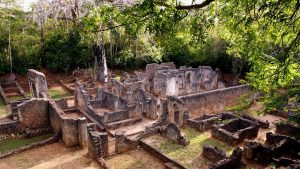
[190, 155]
[12, 144]
[3, 112]
[15, 98]
[57, 93]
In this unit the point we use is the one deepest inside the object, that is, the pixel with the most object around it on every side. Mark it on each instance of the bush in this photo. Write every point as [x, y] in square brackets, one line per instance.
[64, 51]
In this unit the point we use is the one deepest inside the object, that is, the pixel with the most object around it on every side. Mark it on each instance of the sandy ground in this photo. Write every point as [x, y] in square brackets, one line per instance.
[53, 156]
[135, 159]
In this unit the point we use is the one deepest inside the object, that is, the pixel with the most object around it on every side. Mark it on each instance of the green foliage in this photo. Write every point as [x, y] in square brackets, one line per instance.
[283, 101]
[65, 51]
[58, 92]
[244, 102]
[24, 41]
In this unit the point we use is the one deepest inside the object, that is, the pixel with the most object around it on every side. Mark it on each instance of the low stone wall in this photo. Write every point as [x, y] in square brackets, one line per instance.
[62, 103]
[235, 131]
[234, 161]
[56, 114]
[32, 133]
[276, 149]
[262, 124]
[124, 143]
[172, 132]
[33, 114]
[213, 154]
[115, 116]
[213, 101]
[203, 123]
[70, 133]
[159, 155]
[288, 129]
[9, 127]
[97, 142]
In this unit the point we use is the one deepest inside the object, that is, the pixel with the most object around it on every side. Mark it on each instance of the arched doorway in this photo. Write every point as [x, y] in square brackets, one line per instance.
[34, 92]
[176, 113]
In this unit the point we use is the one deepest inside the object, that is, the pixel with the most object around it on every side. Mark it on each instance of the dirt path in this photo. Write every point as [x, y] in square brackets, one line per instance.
[54, 156]
[135, 159]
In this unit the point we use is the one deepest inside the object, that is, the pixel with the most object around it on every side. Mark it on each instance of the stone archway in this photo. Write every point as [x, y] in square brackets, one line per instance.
[176, 111]
[34, 92]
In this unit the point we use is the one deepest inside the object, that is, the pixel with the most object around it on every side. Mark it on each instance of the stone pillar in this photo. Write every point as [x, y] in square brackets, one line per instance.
[83, 138]
[70, 132]
[97, 142]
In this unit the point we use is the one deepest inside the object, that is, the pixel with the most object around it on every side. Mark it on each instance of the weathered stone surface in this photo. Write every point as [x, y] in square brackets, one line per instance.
[232, 162]
[124, 143]
[172, 132]
[235, 131]
[213, 154]
[33, 114]
[37, 83]
[97, 142]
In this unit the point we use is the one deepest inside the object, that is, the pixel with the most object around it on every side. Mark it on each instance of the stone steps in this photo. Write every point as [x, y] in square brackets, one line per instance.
[125, 122]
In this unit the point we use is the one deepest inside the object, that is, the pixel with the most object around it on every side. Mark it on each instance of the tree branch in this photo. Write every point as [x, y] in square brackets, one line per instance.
[195, 6]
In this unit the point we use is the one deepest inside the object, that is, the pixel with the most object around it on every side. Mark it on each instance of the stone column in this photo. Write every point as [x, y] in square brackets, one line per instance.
[83, 138]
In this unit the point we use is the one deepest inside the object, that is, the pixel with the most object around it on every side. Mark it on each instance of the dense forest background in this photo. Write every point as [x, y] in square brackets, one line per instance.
[255, 38]
[64, 45]
[258, 40]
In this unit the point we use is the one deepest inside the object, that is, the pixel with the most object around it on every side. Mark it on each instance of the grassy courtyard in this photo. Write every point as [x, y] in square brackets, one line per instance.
[3, 111]
[190, 155]
[59, 92]
[14, 143]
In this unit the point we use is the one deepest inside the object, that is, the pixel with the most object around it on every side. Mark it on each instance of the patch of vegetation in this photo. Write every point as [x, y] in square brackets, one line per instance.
[15, 98]
[189, 155]
[244, 103]
[15, 143]
[59, 92]
[3, 112]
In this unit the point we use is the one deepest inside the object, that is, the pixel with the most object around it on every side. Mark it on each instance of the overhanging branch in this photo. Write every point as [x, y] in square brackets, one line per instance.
[195, 6]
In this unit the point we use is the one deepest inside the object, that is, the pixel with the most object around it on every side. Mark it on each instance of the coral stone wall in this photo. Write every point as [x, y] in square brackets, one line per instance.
[213, 101]
[33, 114]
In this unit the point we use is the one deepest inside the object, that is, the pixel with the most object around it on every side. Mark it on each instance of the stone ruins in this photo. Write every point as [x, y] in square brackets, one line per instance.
[161, 100]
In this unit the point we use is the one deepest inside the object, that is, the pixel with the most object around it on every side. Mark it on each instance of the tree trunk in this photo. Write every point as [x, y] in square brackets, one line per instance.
[42, 54]
[100, 62]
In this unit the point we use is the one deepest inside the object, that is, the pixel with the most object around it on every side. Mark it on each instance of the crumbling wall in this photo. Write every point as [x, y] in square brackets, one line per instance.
[278, 149]
[234, 161]
[81, 96]
[213, 101]
[288, 129]
[213, 154]
[172, 132]
[176, 111]
[70, 132]
[124, 143]
[204, 122]
[235, 131]
[33, 114]
[97, 142]
[37, 83]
